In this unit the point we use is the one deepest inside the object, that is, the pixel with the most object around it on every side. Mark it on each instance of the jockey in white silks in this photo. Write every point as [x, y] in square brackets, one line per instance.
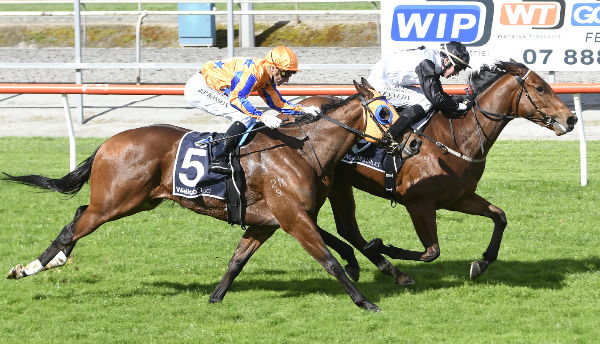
[395, 77]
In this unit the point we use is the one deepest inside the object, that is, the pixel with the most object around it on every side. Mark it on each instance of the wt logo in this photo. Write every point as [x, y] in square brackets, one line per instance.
[539, 14]
[464, 23]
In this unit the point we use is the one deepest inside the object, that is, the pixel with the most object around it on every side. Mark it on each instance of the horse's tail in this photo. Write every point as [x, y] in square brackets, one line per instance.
[68, 185]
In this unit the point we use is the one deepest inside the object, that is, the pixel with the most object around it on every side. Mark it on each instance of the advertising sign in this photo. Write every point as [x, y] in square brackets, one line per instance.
[548, 35]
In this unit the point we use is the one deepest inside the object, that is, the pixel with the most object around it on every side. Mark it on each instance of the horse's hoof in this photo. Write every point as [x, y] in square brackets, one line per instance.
[370, 307]
[214, 300]
[353, 272]
[16, 272]
[404, 279]
[477, 268]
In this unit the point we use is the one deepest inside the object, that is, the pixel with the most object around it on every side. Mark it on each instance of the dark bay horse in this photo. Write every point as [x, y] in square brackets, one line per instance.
[444, 175]
[288, 176]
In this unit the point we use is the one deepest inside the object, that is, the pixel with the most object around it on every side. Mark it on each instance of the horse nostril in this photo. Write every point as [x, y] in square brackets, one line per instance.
[571, 121]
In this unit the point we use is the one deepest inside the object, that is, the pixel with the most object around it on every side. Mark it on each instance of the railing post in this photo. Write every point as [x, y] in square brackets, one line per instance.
[138, 45]
[77, 36]
[247, 26]
[71, 132]
[230, 29]
[377, 23]
[582, 142]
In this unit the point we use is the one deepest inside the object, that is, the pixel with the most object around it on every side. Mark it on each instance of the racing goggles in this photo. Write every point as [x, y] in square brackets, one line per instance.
[457, 67]
[286, 73]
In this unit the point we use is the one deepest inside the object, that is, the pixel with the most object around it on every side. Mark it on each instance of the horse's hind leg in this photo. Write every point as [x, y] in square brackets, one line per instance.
[423, 218]
[53, 256]
[56, 254]
[101, 210]
[61, 258]
[252, 239]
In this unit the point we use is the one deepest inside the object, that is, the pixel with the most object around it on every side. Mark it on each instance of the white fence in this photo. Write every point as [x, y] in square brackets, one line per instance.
[77, 14]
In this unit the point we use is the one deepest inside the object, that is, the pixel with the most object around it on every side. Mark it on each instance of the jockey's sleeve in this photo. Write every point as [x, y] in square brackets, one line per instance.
[432, 87]
[238, 97]
[273, 98]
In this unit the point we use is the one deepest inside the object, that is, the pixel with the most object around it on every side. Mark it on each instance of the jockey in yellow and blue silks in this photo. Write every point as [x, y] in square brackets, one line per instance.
[222, 88]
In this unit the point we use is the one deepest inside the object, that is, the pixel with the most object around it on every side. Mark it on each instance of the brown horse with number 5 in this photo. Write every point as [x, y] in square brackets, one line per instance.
[287, 171]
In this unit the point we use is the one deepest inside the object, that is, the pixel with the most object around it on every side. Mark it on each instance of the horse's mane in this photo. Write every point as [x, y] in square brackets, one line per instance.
[334, 105]
[306, 118]
[480, 80]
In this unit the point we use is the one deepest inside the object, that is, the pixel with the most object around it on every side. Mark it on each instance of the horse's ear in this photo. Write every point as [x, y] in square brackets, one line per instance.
[362, 88]
[366, 83]
[512, 67]
[359, 87]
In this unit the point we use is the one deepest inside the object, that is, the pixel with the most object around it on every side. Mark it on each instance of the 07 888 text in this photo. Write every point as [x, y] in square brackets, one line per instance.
[572, 56]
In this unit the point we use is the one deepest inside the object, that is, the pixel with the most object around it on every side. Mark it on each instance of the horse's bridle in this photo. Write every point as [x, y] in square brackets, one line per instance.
[545, 119]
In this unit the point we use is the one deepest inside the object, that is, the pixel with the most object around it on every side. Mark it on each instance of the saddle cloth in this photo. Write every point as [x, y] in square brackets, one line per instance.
[366, 154]
[191, 175]
[369, 155]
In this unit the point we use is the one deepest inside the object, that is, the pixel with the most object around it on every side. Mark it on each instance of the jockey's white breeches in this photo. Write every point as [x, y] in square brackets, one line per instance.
[205, 98]
[405, 96]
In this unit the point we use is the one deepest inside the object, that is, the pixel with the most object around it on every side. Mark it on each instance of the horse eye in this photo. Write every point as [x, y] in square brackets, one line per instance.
[539, 89]
[385, 113]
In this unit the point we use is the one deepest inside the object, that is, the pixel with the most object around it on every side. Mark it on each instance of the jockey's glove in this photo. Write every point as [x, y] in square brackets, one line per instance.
[270, 119]
[462, 107]
[469, 101]
[311, 110]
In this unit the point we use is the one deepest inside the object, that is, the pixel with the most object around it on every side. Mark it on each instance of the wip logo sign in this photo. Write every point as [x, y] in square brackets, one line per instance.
[536, 14]
[467, 21]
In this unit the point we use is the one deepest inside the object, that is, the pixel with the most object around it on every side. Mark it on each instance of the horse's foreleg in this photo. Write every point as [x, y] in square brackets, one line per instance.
[424, 222]
[342, 203]
[303, 228]
[252, 239]
[345, 251]
[477, 205]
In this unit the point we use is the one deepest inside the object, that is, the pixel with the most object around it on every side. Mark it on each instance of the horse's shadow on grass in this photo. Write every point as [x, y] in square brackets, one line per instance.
[544, 274]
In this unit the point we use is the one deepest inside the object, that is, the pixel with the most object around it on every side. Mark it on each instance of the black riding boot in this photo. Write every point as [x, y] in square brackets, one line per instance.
[220, 162]
[407, 117]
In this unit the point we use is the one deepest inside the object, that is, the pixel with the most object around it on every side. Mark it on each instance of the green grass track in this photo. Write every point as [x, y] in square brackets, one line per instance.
[147, 278]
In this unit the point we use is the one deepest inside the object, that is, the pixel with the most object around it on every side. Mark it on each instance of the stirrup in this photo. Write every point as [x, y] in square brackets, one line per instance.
[218, 166]
[412, 148]
[415, 146]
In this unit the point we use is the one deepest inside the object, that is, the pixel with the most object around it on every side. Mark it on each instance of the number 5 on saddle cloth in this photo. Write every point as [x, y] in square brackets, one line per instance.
[192, 177]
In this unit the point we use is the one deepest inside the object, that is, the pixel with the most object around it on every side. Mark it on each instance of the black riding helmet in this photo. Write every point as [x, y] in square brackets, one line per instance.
[458, 53]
